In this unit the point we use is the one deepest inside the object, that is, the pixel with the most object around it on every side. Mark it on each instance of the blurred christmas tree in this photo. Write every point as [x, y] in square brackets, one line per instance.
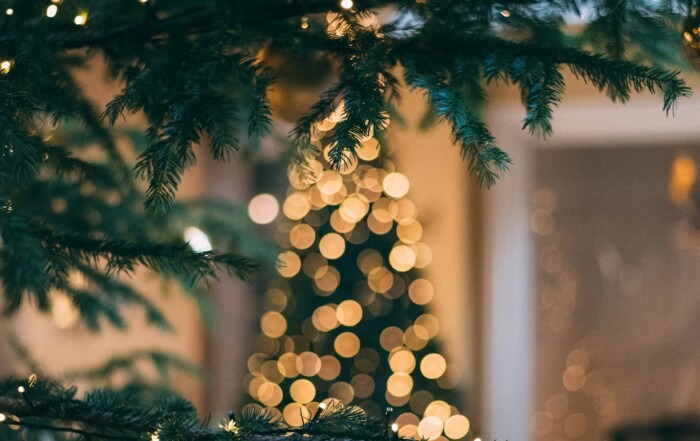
[347, 319]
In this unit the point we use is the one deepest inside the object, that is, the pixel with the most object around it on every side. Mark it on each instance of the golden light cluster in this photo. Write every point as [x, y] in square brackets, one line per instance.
[353, 238]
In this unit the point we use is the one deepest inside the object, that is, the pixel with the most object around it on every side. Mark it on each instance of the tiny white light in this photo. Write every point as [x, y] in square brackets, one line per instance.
[143, 1]
[2, 417]
[394, 427]
[505, 13]
[322, 406]
[155, 437]
[477, 439]
[198, 241]
[9, 11]
[80, 19]
[346, 4]
[21, 389]
[51, 11]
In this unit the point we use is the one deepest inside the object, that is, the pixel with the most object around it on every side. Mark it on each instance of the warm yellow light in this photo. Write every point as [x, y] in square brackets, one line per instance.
[399, 384]
[296, 206]
[155, 437]
[430, 427]
[2, 417]
[9, 11]
[394, 427]
[304, 22]
[347, 344]
[302, 391]
[51, 11]
[342, 392]
[457, 426]
[349, 313]
[64, 313]
[402, 258]
[143, 1]
[5, 66]
[263, 208]
[346, 4]
[80, 19]
[302, 236]
[395, 185]
[330, 368]
[505, 13]
[433, 366]
[296, 414]
[683, 176]
[21, 389]
[289, 264]
[273, 324]
[332, 246]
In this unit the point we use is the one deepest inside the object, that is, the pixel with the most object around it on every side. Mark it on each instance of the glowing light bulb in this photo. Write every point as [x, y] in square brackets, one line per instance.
[143, 1]
[51, 11]
[197, 239]
[155, 437]
[505, 13]
[9, 11]
[477, 439]
[346, 4]
[21, 389]
[394, 427]
[304, 22]
[80, 19]
[2, 417]
[5, 66]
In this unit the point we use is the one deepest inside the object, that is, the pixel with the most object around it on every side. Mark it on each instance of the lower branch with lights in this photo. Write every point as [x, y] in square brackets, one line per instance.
[46, 406]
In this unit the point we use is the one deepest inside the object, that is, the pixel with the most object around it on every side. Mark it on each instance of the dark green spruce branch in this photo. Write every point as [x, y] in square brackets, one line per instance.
[103, 415]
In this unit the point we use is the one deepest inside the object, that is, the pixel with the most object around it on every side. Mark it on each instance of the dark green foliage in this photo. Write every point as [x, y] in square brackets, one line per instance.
[103, 415]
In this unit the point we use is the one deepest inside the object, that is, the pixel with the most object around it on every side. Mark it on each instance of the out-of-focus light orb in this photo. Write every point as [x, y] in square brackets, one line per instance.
[302, 236]
[402, 361]
[330, 368]
[430, 427]
[270, 394]
[347, 344]
[369, 150]
[457, 426]
[433, 366]
[296, 414]
[197, 239]
[308, 363]
[325, 318]
[51, 11]
[439, 409]
[346, 4]
[402, 258]
[399, 384]
[273, 324]
[395, 185]
[263, 208]
[332, 246]
[390, 338]
[349, 313]
[302, 391]
[80, 19]
[296, 206]
[421, 291]
[342, 392]
[289, 264]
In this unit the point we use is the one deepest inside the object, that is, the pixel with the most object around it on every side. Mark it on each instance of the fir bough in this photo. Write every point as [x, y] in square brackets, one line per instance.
[104, 415]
